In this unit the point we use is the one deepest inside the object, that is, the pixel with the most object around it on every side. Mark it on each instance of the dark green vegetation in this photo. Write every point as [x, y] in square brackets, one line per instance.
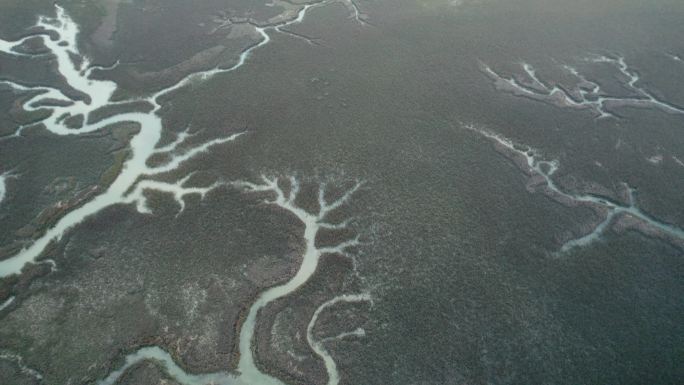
[458, 255]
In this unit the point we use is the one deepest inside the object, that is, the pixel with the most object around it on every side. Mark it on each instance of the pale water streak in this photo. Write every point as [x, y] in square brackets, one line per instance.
[3, 186]
[7, 303]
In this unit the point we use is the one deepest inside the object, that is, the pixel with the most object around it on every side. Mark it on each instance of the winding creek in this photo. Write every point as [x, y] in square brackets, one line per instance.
[247, 372]
[587, 94]
[135, 178]
[545, 169]
[312, 254]
[143, 145]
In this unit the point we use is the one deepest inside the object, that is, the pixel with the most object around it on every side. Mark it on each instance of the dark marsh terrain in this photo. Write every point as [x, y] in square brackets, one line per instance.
[459, 240]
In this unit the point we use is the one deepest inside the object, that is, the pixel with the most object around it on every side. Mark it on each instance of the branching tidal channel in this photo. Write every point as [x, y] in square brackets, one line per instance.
[59, 35]
[541, 172]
